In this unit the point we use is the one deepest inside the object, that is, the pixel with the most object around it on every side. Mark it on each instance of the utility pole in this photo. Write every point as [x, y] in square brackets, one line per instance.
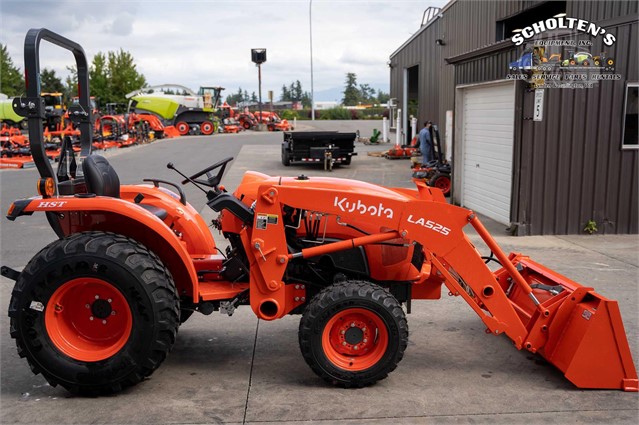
[310, 24]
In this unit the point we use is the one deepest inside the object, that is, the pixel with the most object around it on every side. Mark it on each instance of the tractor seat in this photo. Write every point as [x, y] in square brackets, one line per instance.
[102, 180]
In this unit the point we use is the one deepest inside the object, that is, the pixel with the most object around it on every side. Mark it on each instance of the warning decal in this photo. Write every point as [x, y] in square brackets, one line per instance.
[263, 220]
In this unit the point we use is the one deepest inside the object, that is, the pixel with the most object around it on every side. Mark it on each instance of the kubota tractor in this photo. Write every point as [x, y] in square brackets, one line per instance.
[99, 309]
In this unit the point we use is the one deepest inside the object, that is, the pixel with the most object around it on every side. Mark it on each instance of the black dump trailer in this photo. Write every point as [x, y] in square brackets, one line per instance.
[311, 147]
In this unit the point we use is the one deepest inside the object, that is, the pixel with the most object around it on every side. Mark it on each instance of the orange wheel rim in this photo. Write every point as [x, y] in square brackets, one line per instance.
[88, 319]
[355, 339]
[207, 128]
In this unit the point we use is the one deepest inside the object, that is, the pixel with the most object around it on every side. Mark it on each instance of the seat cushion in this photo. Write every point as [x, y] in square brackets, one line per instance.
[100, 177]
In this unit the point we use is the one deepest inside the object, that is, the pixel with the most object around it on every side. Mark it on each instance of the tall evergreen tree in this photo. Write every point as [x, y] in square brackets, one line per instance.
[351, 92]
[11, 79]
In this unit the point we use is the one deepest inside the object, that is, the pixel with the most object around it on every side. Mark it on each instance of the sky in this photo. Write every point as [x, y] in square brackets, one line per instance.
[208, 43]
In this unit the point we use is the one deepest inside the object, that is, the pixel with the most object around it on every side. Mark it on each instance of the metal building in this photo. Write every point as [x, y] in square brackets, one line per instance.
[573, 160]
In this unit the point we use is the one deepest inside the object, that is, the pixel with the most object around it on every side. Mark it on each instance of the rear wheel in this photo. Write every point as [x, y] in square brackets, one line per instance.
[353, 334]
[182, 128]
[94, 312]
[207, 128]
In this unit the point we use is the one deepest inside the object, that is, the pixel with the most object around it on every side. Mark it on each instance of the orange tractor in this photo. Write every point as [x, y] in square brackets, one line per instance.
[99, 309]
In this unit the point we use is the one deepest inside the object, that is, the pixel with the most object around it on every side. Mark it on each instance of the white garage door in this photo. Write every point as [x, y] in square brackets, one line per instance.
[488, 119]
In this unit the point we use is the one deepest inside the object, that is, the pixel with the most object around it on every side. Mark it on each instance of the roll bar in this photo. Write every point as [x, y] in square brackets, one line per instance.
[32, 106]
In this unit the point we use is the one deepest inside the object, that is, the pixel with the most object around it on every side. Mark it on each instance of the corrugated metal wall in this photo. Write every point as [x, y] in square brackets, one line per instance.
[569, 168]
[465, 26]
[572, 166]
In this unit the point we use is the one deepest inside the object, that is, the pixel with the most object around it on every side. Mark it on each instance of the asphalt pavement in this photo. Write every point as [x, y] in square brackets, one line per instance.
[242, 370]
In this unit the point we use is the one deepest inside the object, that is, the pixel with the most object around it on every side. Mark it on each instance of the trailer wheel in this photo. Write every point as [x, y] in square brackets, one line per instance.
[286, 158]
[94, 312]
[353, 334]
[441, 181]
[182, 128]
[207, 128]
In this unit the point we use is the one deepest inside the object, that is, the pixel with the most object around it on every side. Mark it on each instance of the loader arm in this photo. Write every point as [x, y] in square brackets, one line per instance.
[504, 300]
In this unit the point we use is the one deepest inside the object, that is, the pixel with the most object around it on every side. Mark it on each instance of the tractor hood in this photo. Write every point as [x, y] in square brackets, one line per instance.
[252, 180]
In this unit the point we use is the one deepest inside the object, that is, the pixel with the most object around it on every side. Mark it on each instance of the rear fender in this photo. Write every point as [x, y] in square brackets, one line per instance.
[122, 217]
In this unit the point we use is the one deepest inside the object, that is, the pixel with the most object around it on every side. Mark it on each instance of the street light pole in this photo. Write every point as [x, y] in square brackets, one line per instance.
[310, 24]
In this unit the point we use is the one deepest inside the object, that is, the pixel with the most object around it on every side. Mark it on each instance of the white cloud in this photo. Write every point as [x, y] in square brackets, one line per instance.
[208, 42]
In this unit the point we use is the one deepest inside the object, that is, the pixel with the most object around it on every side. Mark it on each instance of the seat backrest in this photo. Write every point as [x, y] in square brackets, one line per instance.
[100, 177]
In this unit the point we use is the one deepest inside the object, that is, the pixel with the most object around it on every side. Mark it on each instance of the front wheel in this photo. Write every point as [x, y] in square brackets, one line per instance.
[94, 312]
[353, 334]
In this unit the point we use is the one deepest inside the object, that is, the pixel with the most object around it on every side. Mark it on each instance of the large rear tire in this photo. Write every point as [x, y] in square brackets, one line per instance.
[94, 312]
[353, 334]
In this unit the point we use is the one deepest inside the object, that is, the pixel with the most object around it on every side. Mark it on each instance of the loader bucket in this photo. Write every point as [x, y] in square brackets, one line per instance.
[171, 131]
[582, 333]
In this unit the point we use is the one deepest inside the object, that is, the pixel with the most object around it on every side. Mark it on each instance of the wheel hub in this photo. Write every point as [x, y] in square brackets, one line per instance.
[101, 308]
[354, 335]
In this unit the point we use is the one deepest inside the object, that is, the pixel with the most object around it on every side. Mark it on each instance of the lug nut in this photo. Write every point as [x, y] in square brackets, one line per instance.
[363, 329]
[364, 340]
[356, 348]
[113, 313]
[110, 300]
[87, 306]
[352, 324]
[344, 343]
[104, 322]
[97, 297]
[343, 332]
[91, 318]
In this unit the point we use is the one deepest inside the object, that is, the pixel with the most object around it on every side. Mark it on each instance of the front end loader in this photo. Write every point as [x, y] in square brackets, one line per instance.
[99, 309]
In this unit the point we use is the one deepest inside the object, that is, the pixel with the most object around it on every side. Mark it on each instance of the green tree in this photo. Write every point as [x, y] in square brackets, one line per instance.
[123, 76]
[71, 83]
[99, 78]
[11, 80]
[306, 100]
[382, 97]
[49, 82]
[296, 91]
[286, 93]
[367, 94]
[352, 94]
[235, 98]
[253, 97]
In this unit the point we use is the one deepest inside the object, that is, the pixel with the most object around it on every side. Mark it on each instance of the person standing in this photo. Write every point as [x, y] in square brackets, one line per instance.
[426, 143]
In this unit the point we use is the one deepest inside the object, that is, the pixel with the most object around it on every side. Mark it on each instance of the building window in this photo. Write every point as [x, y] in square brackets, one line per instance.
[508, 27]
[629, 138]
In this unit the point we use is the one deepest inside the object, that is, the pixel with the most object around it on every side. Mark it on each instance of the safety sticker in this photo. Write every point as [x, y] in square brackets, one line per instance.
[263, 220]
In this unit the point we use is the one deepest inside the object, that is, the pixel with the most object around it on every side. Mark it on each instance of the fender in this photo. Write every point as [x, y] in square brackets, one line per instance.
[77, 214]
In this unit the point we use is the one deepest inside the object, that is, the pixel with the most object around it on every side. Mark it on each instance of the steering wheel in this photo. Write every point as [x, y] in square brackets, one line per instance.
[211, 181]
